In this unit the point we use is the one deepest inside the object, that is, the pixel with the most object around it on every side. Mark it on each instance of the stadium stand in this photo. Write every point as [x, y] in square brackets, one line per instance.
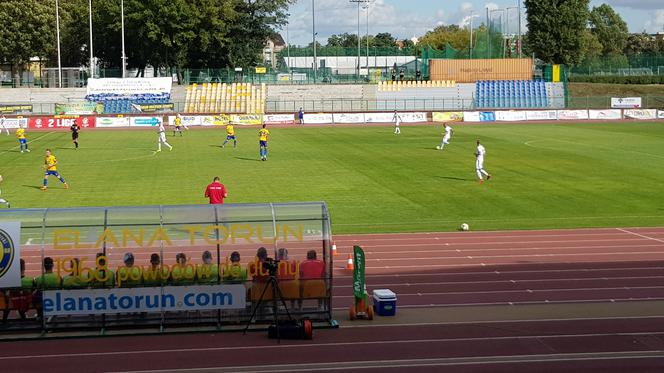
[119, 104]
[511, 94]
[244, 98]
[424, 95]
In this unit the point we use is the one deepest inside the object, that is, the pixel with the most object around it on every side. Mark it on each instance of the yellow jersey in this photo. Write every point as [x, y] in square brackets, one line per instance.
[263, 134]
[20, 133]
[178, 121]
[230, 130]
[51, 163]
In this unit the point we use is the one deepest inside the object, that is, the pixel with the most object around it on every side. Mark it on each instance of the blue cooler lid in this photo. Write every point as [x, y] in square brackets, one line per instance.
[384, 294]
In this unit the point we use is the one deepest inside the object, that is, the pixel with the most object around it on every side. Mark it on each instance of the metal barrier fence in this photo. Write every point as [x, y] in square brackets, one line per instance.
[363, 105]
[163, 266]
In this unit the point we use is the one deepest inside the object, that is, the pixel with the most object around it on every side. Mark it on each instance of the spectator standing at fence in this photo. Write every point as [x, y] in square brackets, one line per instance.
[397, 123]
[74, 134]
[394, 75]
[22, 140]
[234, 271]
[2, 200]
[51, 166]
[402, 74]
[418, 75]
[216, 192]
[300, 116]
[3, 119]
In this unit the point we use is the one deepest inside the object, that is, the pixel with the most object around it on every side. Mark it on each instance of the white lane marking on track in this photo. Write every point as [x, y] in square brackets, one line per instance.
[640, 235]
[315, 345]
[373, 224]
[388, 365]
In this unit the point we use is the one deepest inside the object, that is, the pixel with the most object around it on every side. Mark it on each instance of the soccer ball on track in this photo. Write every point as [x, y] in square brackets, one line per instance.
[464, 227]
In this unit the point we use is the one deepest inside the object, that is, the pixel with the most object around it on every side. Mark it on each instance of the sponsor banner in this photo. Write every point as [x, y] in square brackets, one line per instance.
[10, 254]
[641, 114]
[191, 120]
[278, 119]
[510, 116]
[151, 108]
[456, 116]
[319, 118]
[247, 119]
[145, 121]
[348, 118]
[660, 114]
[541, 115]
[152, 299]
[12, 123]
[479, 116]
[12, 109]
[112, 122]
[605, 114]
[220, 120]
[129, 86]
[626, 102]
[572, 114]
[378, 117]
[413, 117]
[61, 122]
[79, 108]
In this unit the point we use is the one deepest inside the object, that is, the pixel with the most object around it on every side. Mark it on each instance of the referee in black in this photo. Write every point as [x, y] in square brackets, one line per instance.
[74, 133]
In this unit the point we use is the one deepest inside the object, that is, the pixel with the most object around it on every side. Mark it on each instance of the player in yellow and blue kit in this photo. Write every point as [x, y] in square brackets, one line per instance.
[51, 166]
[263, 135]
[22, 141]
[230, 135]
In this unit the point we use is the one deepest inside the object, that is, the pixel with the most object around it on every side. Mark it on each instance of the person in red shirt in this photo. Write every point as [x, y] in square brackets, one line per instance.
[216, 192]
[312, 268]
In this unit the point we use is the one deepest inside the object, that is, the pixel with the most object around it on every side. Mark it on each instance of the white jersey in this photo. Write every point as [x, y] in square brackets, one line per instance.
[161, 128]
[396, 119]
[480, 152]
[448, 132]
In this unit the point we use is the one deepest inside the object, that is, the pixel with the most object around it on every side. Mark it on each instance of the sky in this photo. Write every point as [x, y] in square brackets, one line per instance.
[406, 19]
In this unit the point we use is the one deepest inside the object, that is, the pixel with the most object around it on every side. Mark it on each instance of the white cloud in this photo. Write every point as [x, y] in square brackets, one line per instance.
[636, 4]
[466, 7]
[656, 22]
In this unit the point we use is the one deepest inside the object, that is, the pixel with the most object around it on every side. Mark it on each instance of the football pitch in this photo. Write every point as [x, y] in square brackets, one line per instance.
[545, 175]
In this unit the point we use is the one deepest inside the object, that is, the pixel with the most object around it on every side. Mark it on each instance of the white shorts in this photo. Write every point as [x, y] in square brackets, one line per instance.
[446, 139]
[479, 163]
[162, 137]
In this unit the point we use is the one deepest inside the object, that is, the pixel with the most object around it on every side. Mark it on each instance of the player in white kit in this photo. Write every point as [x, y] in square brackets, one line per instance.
[397, 122]
[2, 124]
[162, 138]
[4, 200]
[446, 137]
[479, 163]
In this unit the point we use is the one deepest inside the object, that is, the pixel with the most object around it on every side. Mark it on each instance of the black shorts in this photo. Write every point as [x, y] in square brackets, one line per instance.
[74, 136]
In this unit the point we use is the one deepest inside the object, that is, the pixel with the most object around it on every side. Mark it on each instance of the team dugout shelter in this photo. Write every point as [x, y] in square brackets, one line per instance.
[164, 267]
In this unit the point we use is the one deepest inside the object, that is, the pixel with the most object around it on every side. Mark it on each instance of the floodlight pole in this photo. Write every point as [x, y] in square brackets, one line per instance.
[519, 40]
[367, 8]
[358, 34]
[92, 65]
[57, 30]
[288, 47]
[313, 34]
[124, 55]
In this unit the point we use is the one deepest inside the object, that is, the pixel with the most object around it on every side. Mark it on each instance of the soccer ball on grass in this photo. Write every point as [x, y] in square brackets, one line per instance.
[438, 147]
[464, 227]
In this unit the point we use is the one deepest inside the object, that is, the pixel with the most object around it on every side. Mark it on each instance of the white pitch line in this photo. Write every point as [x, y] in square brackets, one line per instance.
[640, 235]
[30, 142]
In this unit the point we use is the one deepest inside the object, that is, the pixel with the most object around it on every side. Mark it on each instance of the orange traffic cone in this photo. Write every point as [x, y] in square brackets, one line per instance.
[349, 264]
[334, 249]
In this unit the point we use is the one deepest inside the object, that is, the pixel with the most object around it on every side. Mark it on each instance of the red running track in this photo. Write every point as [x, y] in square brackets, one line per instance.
[434, 271]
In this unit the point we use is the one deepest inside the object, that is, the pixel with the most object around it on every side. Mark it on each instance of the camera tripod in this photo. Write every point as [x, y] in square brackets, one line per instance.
[276, 293]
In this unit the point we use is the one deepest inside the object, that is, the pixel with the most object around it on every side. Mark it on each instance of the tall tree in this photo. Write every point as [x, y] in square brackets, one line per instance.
[555, 29]
[27, 31]
[610, 29]
[638, 44]
[443, 35]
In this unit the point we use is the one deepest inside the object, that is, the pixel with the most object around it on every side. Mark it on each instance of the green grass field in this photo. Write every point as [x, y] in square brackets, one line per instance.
[545, 176]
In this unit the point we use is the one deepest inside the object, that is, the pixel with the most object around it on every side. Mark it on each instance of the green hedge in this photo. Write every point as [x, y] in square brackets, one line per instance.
[617, 79]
